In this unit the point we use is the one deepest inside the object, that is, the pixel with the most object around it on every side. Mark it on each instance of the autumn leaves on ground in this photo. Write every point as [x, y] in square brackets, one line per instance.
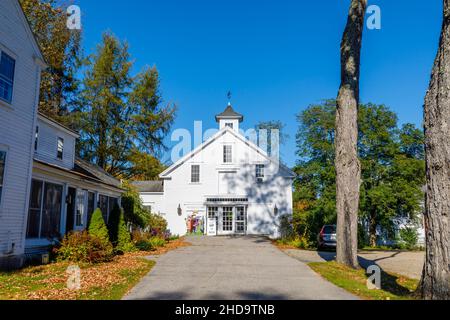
[104, 281]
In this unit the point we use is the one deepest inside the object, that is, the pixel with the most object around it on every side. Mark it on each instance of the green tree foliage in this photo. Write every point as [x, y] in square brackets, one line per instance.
[97, 226]
[62, 52]
[118, 231]
[392, 163]
[113, 224]
[144, 167]
[120, 117]
[134, 212]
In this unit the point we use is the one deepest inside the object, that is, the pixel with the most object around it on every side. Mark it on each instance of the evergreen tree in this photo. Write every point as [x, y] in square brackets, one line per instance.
[124, 243]
[118, 231]
[97, 226]
[119, 116]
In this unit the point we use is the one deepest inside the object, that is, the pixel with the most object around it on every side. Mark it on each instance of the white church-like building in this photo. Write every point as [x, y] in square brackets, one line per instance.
[225, 186]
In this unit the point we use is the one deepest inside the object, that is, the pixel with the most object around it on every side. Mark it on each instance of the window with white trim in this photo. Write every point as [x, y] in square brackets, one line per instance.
[260, 173]
[229, 125]
[2, 171]
[227, 154]
[195, 173]
[7, 67]
[60, 149]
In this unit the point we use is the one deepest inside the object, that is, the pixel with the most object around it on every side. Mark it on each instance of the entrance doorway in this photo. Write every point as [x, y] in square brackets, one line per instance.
[227, 220]
[71, 200]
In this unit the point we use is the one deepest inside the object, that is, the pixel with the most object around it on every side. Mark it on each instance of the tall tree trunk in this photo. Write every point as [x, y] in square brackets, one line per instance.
[435, 283]
[348, 169]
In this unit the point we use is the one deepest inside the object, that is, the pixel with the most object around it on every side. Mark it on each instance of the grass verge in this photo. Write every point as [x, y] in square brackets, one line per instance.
[393, 286]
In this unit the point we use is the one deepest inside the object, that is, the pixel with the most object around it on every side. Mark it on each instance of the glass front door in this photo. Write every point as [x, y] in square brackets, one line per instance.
[232, 220]
[240, 220]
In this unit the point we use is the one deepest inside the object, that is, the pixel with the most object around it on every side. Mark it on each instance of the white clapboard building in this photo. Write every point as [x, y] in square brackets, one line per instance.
[21, 63]
[227, 184]
[45, 191]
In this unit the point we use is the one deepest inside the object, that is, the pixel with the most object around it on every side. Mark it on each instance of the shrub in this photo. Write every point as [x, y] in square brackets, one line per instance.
[83, 247]
[300, 242]
[144, 245]
[144, 241]
[286, 228]
[97, 226]
[134, 212]
[409, 238]
[157, 225]
[113, 224]
[124, 243]
[172, 238]
[157, 242]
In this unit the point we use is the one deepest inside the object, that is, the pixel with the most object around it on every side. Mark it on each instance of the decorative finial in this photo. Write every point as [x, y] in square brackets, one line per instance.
[229, 98]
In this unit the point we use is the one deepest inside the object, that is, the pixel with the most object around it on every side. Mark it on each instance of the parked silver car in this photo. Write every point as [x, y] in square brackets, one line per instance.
[327, 237]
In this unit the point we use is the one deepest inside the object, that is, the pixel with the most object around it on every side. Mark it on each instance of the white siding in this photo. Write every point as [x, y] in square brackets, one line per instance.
[154, 200]
[17, 126]
[276, 190]
[47, 145]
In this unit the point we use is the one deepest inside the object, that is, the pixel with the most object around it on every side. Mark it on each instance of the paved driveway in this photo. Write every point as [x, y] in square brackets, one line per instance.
[407, 263]
[233, 268]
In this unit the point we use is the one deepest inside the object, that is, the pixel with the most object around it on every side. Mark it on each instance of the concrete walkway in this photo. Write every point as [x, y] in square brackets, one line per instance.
[409, 264]
[232, 268]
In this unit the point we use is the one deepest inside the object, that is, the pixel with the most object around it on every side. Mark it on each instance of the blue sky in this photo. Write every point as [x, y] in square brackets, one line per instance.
[277, 57]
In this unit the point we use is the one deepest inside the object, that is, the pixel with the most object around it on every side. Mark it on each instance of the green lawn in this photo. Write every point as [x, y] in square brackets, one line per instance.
[393, 286]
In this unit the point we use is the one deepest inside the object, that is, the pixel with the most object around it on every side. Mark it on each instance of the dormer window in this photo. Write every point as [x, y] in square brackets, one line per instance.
[227, 154]
[60, 149]
[260, 173]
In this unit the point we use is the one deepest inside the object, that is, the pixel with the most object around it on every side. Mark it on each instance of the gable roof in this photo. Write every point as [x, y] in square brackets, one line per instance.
[39, 58]
[43, 117]
[229, 113]
[221, 132]
[149, 186]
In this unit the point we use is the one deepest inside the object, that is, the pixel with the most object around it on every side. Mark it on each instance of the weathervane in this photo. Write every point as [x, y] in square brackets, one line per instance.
[229, 97]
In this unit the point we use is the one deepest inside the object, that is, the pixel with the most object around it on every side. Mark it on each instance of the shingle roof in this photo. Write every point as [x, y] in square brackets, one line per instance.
[229, 113]
[95, 171]
[87, 171]
[149, 186]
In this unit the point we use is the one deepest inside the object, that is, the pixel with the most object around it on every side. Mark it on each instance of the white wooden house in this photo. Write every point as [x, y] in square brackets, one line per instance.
[21, 63]
[227, 182]
[65, 190]
[45, 191]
